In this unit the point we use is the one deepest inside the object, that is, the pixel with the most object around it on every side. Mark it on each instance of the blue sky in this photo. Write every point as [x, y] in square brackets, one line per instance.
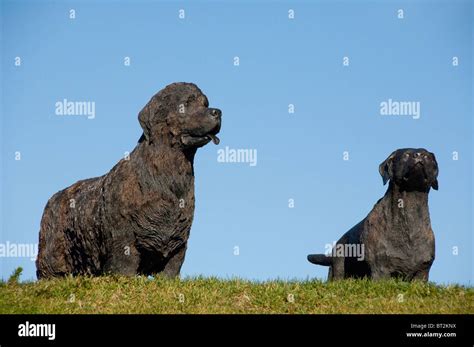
[282, 61]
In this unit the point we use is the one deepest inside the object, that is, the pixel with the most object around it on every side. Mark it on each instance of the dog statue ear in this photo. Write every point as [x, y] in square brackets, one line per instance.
[144, 120]
[434, 183]
[385, 169]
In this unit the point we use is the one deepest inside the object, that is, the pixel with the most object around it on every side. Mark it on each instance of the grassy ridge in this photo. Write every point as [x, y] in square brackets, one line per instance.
[116, 294]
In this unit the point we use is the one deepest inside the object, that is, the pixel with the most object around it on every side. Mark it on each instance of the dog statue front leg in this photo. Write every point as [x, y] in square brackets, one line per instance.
[173, 266]
[124, 260]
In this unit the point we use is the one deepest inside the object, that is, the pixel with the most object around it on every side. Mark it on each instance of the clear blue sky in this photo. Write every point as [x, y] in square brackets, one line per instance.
[282, 61]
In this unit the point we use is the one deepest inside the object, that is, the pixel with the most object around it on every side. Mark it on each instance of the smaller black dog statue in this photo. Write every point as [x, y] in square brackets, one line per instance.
[395, 239]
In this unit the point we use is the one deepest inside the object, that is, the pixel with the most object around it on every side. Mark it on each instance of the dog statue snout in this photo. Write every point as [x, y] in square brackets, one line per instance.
[215, 113]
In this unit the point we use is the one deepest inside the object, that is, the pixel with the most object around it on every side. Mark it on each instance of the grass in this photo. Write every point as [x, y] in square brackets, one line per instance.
[116, 294]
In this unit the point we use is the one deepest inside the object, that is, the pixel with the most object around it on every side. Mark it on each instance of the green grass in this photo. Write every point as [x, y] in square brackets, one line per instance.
[115, 294]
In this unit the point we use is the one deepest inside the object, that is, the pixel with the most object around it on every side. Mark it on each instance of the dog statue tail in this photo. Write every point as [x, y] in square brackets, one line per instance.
[320, 259]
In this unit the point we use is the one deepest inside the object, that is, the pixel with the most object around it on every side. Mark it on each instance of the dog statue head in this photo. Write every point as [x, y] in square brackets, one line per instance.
[411, 169]
[179, 116]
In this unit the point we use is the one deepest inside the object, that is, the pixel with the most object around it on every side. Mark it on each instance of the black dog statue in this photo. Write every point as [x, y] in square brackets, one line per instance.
[396, 236]
[136, 218]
